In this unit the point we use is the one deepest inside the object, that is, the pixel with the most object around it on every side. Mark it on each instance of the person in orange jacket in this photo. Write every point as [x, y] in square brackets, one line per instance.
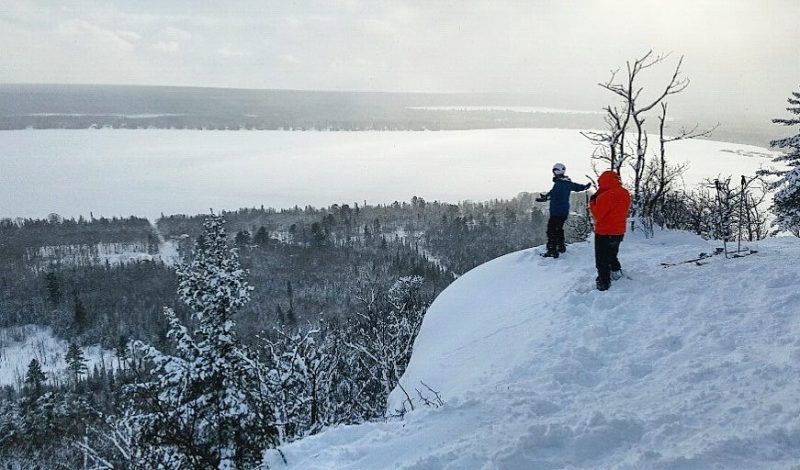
[609, 206]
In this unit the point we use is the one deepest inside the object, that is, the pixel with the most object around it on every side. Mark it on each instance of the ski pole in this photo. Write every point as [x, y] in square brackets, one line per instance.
[722, 229]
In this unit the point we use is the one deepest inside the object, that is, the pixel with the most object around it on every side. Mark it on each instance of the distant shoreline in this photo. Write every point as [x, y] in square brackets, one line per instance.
[165, 107]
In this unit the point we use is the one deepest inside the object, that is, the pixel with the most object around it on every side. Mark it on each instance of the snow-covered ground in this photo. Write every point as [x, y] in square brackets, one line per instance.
[113, 254]
[168, 250]
[20, 344]
[85, 255]
[682, 367]
[146, 172]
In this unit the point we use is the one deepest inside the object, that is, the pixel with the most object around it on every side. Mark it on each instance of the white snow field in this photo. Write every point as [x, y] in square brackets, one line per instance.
[683, 367]
[113, 254]
[146, 172]
[20, 344]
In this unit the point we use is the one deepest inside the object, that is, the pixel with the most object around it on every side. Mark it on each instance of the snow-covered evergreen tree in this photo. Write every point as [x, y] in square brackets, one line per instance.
[34, 380]
[786, 205]
[204, 407]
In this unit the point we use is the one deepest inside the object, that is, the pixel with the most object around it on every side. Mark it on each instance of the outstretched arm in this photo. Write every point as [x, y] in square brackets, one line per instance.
[580, 187]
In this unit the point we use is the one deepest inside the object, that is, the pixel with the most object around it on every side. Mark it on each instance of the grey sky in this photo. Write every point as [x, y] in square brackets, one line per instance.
[742, 56]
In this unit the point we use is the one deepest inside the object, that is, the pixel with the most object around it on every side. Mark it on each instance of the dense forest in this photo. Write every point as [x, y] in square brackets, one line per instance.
[305, 263]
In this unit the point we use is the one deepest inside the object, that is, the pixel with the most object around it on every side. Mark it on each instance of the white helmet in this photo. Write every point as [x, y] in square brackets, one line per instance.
[559, 169]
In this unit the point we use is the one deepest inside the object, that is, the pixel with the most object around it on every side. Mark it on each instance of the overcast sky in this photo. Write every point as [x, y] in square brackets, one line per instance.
[739, 54]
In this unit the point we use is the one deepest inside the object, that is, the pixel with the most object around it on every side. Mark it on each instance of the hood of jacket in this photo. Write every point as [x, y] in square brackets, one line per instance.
[609, 179]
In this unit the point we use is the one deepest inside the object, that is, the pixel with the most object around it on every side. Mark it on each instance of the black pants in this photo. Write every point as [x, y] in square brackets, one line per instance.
[606, 248]
[555, 232]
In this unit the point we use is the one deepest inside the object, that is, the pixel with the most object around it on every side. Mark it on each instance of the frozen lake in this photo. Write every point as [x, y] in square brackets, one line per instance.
[145, 172]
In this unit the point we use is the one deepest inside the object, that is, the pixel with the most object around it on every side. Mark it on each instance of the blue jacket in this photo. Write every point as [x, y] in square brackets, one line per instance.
[559, 195]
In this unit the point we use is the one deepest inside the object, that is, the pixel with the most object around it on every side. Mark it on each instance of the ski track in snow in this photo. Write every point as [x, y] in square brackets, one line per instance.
[685, 367]
[167, 249]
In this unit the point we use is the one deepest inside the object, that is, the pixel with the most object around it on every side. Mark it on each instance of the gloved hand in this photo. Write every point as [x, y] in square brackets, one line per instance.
[541, 198]
[588, 185]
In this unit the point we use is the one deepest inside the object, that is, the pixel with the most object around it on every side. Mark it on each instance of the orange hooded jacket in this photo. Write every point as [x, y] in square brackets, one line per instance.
[610, 205]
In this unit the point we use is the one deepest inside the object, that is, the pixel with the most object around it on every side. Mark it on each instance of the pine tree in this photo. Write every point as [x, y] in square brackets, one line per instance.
[76, 362]
[261, 238]
[786, 204]
[319, 236]
[122, 352]
[206, 406]
[53, 288]
[80, 317]
[242, 238]
[34, 380]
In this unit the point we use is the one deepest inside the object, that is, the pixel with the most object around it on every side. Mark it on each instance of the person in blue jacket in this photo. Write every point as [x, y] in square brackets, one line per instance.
[559, 208]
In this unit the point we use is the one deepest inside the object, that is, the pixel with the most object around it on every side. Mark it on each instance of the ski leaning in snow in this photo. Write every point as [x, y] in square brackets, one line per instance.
[697, 260]
[704, 256]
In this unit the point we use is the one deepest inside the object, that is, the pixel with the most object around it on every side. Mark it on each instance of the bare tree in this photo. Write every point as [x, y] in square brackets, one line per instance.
[659, 176]
[632, 110]
[752, 212]
[626, 140]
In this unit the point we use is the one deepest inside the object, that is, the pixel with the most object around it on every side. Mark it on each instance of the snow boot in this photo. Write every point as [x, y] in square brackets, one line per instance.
[616, 275]
[562, 248]
[550, 253]
[602, 286]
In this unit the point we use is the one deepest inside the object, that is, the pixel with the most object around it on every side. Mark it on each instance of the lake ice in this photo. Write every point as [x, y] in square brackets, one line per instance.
[145, 172]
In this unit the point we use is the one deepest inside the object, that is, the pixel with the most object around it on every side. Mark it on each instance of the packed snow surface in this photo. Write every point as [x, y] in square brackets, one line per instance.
[682, 367]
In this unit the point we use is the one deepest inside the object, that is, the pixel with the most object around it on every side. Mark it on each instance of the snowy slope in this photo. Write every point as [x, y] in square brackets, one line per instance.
[673, 368]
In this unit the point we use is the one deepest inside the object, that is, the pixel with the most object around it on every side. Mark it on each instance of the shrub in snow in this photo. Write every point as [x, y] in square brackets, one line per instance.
[344, 373]
[382, 339]
[304, 370]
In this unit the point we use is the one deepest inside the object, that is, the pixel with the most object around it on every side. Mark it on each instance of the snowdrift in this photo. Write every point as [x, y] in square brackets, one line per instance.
[681, 367]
